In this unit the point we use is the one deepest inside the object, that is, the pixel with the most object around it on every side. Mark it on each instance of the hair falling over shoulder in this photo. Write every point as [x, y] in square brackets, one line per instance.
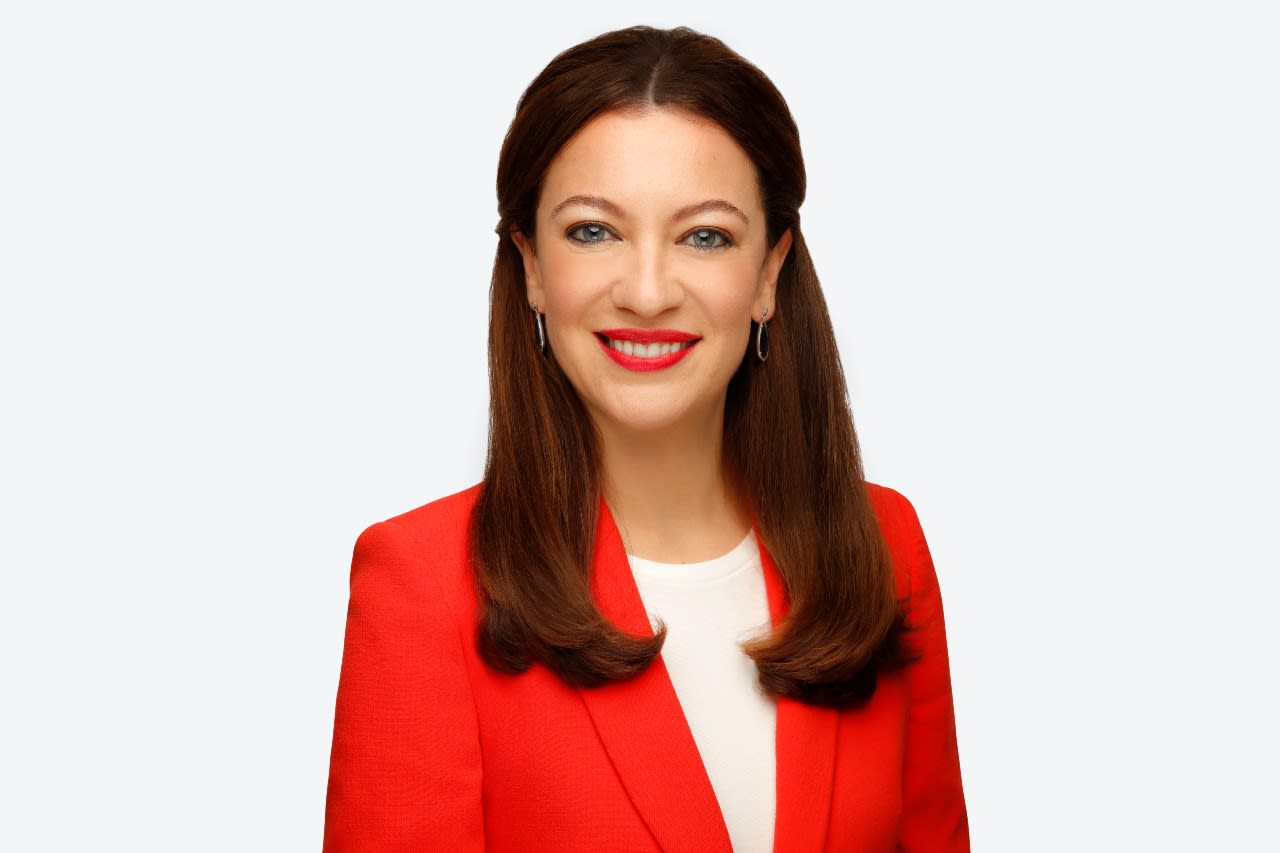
[789, 434]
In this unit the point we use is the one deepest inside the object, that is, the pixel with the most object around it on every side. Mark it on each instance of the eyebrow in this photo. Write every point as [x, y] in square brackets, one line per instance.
[685, 212]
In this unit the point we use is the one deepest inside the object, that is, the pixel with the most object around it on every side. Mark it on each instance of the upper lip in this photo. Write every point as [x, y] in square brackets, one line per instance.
[661, 336]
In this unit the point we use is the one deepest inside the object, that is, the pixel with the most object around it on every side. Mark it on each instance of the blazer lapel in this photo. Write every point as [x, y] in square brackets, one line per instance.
[641, 723]
[805, 749]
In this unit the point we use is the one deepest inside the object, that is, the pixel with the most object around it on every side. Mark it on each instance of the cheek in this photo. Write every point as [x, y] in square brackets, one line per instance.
[729, 294]
[566, 283]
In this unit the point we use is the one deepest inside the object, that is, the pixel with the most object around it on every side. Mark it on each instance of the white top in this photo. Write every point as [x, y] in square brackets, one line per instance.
[709, 608]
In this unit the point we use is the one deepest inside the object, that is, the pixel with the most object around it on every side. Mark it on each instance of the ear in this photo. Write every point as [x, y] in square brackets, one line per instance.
[532, 276]
[767, 292]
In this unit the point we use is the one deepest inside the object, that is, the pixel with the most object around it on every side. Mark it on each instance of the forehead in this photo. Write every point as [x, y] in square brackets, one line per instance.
[655, 157]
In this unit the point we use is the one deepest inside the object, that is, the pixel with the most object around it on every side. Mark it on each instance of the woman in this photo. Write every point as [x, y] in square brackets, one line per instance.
[672, 468]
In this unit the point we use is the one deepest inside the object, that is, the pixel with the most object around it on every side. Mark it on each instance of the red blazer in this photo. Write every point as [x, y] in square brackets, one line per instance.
[434, 751]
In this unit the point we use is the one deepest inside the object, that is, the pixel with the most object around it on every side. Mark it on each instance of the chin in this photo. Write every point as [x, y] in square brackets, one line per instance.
[650, 416]
[642, 422]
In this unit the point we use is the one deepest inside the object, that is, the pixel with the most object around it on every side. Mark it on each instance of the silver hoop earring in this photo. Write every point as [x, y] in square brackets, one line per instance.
[539, 331]
[762, 337]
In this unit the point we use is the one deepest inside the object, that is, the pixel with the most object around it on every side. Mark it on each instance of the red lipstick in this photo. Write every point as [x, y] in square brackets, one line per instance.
[649, 336]
[639, 363]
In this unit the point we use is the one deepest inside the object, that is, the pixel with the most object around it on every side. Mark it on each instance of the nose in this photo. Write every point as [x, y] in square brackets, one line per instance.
[648, 285]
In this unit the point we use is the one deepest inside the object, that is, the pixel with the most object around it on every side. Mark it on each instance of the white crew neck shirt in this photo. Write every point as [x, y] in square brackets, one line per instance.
[709, 608]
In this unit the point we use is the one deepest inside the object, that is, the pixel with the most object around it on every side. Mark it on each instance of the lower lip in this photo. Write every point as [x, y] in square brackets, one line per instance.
[636, 363]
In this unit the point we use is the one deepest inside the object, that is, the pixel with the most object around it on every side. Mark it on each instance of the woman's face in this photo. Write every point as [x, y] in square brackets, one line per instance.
[650, 262]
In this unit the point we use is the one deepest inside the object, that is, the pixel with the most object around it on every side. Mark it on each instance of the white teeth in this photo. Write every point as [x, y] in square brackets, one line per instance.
[651, 350]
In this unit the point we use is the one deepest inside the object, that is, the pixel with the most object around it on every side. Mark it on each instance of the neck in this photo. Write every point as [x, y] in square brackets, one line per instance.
[671, 494]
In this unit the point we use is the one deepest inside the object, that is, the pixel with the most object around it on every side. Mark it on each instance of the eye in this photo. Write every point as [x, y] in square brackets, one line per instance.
[589, 232]
[708, 238]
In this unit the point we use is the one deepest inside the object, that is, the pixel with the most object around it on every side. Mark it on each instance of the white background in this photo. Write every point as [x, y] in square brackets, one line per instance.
[245, 251]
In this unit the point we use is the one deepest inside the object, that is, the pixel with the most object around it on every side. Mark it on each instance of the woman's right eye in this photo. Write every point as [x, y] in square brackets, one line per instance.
[590, 232]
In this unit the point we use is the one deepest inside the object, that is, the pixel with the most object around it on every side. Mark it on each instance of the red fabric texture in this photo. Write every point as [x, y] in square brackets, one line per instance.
[434, 751]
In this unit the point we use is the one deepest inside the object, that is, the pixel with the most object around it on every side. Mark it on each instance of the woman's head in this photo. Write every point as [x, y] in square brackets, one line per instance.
[703, 111]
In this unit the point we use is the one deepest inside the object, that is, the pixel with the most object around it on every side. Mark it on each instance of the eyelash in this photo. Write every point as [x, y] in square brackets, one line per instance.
[726, 240]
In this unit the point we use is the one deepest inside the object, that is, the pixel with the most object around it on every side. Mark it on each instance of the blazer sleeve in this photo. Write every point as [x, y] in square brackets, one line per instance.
[405, 771]
[934, 818]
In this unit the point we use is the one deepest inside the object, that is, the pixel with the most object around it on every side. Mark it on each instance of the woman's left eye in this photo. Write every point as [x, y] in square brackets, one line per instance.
[708, 238]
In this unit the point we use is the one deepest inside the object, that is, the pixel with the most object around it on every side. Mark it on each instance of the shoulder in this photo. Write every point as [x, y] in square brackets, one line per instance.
[424, 546]
[904, 536]
[897, 516]
[441, 522]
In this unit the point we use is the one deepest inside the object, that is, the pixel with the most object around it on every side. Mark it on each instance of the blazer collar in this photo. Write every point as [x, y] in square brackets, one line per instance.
[645, 733]
[806, 748]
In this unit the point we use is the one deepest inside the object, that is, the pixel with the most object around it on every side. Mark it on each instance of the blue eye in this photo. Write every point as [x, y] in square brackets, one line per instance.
[705, 238]
[592, 232]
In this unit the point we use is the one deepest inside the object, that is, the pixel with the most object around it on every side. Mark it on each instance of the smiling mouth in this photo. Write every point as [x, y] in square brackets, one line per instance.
[646, 349]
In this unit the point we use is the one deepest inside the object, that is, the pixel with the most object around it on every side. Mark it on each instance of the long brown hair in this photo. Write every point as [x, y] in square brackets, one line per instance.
[789, 436]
